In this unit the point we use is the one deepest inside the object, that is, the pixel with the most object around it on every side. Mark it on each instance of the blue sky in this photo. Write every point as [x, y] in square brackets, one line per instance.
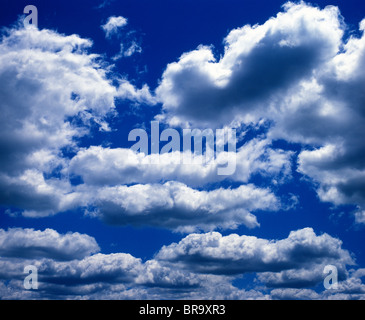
[99, 222]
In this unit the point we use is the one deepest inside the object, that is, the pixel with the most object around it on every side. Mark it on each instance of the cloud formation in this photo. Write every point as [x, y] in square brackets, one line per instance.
[53, 93]
[191, 269]
[57, 110]
[301, 80]
[233, 254]
[260, 63]
[33, 244]
[105, 166]
[295, 72]
[299, 72]
[49, 83]
[176, 206]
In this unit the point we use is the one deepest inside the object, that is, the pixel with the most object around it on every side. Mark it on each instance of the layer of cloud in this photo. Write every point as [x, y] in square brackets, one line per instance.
[32, 244]
[233, 254]
[176, 206]
[174, 272]
[93, 276]
[322, 90]
[104, 166]
[56, 110]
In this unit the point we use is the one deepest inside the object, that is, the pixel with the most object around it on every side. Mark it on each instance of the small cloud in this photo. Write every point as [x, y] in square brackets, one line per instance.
[113, 24]
[124, 53]
[104, 4]
[134, 47]
[12, 214]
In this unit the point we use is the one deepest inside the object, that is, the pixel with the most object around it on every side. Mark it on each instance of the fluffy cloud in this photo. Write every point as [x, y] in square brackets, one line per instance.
[351, 288]
[140, 96]
[53, 110]
[260, 63]
[174, 272]
[32, 244]
[295, 70]
[234, 254]
[49, 82]
[104, 166]
[53, 92]
[334, 122]
[114, 276]
[303, 277]
[164, 189]
[68, 267]
[176, 206]
[37, 112]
